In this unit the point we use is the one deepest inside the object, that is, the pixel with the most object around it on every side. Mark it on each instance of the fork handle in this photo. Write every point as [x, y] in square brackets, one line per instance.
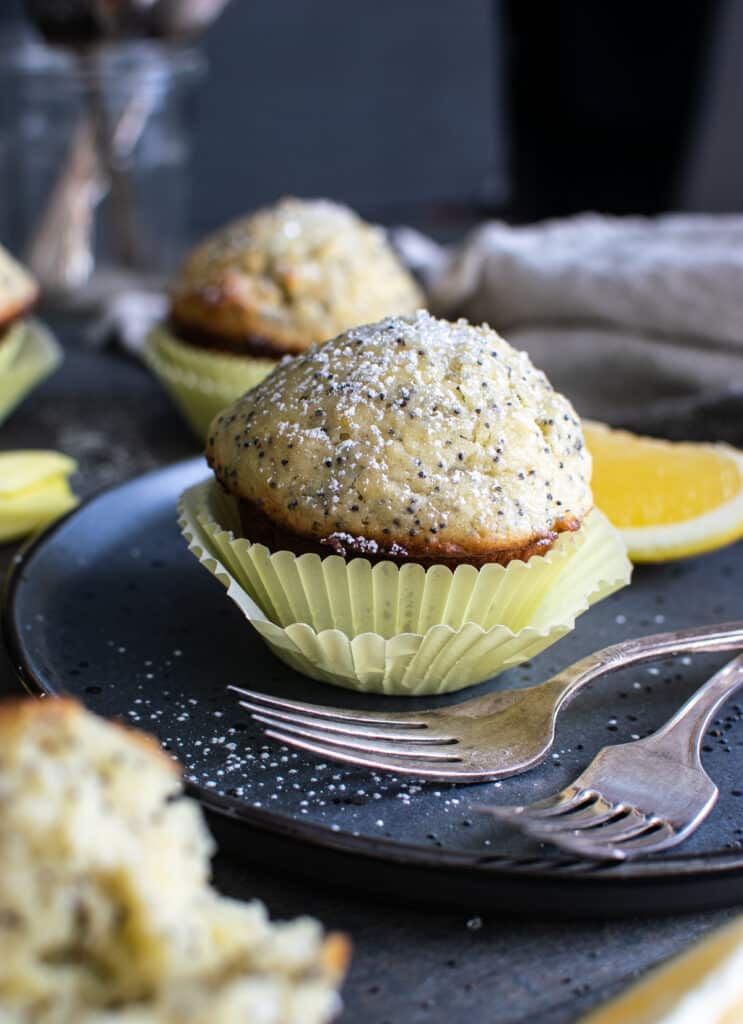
[724, 636]
[682, 734]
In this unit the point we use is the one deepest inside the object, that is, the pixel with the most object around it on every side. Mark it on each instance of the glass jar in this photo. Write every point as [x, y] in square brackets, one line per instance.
[95, 154]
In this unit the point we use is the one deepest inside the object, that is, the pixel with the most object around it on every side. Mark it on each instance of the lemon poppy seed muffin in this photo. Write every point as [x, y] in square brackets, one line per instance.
[287, 276]
[106, 912]
[266, 286]
[411, 439]
[18, 292]
[28, 351]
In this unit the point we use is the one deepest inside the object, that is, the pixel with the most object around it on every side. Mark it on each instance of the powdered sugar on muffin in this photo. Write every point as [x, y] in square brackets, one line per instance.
[413, 434]
[287, 276]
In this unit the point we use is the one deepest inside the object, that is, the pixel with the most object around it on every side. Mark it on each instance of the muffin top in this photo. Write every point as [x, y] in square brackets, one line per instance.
[287, 276]
[412, 438]
[18, 290]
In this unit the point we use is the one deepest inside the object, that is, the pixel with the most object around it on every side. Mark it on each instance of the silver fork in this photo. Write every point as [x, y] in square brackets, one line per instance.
[635, 798]
[490, 737]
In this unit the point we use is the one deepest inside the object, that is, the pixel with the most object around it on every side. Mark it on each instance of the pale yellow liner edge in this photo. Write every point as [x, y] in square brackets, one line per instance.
[31, 355]
[201, 383]
[402, 630]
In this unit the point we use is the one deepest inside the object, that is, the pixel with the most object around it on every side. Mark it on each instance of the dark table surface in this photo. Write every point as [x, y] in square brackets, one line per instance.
[410, 966]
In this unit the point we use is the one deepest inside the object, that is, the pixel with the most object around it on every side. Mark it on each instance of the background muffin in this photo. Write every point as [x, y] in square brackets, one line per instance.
[18, 291]
[106, 913]
[267, 286]
[287, 276]
[412, 439]
[28, 352]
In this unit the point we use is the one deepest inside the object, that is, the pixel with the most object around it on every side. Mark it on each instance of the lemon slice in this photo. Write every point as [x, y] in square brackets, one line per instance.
[34, 491]
[670, 500]
[20, 471]
[701, 986]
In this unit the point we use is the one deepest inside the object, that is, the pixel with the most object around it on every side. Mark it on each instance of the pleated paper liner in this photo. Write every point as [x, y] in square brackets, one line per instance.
[402, 630]
[27, 356]
[200, 382]
[10, 343]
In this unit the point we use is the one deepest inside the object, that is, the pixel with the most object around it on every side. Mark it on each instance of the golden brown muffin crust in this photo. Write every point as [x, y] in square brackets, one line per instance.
[261, 529]
[411, 439]
[18, 290]
[287, 276]
[106, 911]
[17, 714]
[254, 346]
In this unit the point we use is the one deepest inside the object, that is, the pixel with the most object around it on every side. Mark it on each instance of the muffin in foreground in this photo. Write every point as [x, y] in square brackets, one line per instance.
[28, 353]
[404, 509]
[271, 285]
[412, 439]
[106, 913]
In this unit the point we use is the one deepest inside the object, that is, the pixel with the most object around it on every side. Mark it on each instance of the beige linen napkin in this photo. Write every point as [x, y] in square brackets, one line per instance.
[638, 320]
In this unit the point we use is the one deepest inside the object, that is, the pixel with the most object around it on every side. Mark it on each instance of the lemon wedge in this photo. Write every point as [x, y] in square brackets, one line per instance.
[34, 490]
[669, 499]
[704, 985]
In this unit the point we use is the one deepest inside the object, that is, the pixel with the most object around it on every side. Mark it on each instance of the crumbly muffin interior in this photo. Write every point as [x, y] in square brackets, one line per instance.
[412, 433]
[289, 275]
[106, 914]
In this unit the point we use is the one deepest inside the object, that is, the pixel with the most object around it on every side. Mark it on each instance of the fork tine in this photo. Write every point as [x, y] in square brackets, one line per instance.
[581, 847]
[626, 827]
[518, 814]
[660, 838]
[422, 769]
[576, 844]
[365, 746]
[587, 817]
[345, 729]
[602, 836]
[648, 838]
[567, 799]
[406, 718]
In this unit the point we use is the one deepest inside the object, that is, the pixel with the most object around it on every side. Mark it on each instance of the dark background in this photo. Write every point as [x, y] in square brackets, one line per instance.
[434, 110]
[439, 112]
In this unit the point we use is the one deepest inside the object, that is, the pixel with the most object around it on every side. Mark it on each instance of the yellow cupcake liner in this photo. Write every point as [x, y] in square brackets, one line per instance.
[402, 630]
[27, 356]
[200, 382]
[10, 344]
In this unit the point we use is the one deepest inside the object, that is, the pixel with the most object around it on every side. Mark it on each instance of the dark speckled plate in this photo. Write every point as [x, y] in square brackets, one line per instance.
[110, 606]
